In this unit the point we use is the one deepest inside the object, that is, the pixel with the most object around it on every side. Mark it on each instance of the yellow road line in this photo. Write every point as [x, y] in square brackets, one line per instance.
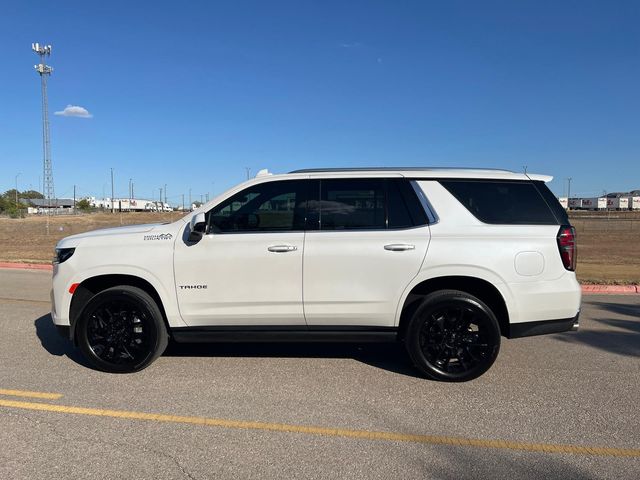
[24, 393]
[334, 432]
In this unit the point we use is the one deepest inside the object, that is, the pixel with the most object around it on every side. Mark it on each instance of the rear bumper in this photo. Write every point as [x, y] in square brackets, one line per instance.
[528, 329]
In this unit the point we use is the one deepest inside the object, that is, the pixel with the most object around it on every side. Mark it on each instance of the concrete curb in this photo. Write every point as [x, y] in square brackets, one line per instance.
[610, 289]
[27, 266]
[586, 289]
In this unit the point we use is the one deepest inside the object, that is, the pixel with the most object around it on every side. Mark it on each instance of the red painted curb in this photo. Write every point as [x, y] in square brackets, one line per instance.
[610, 289]
[27, 266]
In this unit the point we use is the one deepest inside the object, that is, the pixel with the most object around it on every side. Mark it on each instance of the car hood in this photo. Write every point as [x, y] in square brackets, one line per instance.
[104, 232]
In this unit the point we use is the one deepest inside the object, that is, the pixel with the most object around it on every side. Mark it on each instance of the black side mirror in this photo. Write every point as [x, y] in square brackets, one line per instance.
[198, 226]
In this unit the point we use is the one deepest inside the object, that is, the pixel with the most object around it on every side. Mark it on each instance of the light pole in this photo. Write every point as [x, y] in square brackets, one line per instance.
[17, 187]
[44, 71]
[113, 207]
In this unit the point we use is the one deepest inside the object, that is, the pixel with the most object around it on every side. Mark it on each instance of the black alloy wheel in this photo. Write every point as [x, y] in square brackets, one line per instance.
[121, 330]
[453, 336]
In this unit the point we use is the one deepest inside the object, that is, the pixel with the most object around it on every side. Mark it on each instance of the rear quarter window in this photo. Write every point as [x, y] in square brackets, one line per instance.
[503, 202]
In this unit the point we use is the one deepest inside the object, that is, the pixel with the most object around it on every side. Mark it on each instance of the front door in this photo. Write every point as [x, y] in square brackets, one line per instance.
[247, 268]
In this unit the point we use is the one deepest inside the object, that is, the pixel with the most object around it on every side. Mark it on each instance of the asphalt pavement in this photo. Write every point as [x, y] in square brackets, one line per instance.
[556, 406]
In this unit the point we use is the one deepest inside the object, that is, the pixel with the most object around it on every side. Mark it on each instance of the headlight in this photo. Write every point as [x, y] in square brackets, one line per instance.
[62, 254]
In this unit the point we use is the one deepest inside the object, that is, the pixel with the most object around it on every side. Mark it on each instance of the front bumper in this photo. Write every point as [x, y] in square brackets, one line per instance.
[528, 329]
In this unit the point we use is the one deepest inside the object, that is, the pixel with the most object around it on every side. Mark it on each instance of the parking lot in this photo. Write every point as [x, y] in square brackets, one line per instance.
[558, 406]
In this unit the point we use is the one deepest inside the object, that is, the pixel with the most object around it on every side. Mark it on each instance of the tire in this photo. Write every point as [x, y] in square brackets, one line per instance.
[121, 330]
[453, 336]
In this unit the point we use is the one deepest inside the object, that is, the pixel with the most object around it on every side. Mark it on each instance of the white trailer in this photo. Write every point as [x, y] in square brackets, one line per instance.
[575, 203]
[564, 201]
[595, 203]
[634, 203]
[618, 203]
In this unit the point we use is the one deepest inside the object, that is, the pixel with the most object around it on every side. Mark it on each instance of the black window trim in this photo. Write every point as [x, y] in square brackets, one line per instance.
[432, 215]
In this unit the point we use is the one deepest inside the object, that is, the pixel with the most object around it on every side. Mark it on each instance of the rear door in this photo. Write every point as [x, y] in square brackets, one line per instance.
[366, 240]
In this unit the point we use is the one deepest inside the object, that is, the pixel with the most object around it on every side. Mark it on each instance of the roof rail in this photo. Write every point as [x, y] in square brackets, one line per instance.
[386, 169]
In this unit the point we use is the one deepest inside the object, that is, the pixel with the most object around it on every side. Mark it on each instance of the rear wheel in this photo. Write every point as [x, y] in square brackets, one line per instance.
[453, 336]
[121, 330]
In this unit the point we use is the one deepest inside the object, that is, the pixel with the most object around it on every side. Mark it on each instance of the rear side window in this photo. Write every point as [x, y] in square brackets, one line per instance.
[502, 202]
[352, 204]
[363, 204]
[554, 204]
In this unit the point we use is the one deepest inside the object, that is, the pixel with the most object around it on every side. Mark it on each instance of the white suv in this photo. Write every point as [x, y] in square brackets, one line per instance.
[445, 260]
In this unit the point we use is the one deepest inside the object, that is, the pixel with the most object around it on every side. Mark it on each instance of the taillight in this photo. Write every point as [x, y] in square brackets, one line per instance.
[568, 247]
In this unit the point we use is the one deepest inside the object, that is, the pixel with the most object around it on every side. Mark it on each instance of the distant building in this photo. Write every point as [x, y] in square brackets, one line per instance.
[42, 205]
[129, 204]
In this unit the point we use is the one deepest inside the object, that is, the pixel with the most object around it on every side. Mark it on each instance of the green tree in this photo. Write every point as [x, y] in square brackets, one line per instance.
[30, 194]
[83, 205]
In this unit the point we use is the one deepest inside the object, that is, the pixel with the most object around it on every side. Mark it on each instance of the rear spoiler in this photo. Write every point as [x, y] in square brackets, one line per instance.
[540, 178]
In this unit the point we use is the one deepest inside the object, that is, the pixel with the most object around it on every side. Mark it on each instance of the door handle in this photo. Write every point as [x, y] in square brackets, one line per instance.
[399, 247]
[282, 248]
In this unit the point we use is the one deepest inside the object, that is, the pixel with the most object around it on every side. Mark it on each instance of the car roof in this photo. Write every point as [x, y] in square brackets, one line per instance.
[424, 172]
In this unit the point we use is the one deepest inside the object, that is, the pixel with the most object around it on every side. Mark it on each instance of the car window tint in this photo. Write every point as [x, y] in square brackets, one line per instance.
[352, 204]
[397, 211]
[502, 202]
[266, 207]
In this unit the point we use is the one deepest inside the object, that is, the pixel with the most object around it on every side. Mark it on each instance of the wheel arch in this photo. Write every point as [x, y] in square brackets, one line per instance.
[478, 287]
[96, 284]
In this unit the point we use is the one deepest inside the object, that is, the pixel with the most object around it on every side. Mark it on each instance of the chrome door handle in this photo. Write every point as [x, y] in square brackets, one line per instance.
[399, 247]
[282, 248]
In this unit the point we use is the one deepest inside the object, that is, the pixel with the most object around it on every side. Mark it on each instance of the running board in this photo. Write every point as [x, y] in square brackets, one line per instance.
[241, 334]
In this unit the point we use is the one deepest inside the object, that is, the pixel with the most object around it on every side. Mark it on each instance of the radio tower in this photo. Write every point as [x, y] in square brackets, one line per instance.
[44, 71]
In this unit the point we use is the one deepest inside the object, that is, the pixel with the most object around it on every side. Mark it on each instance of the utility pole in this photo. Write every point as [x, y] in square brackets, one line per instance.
[113, 207]
[248, 172]
[161, 205]
[165, 194]
[201, 199]
[17, 187]
[190, 202]
[524, 167]
[569, 188]
[132, 194]
[74, 200]
[44, 71]
[183, 202]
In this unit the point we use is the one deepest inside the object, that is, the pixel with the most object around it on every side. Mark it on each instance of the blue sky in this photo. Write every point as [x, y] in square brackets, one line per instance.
[189, 93]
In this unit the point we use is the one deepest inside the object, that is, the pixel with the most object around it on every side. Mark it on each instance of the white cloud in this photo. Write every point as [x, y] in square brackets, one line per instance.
[74, 111]
[352, 45]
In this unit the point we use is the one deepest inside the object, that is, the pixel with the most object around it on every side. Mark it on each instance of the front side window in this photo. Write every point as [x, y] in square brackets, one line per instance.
[266, 207]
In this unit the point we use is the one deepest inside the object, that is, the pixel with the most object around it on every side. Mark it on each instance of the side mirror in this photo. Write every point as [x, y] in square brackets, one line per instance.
[198, 226]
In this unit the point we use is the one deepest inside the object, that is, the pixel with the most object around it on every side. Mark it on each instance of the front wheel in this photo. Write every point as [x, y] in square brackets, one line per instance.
[121, 330]
[453, 336]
